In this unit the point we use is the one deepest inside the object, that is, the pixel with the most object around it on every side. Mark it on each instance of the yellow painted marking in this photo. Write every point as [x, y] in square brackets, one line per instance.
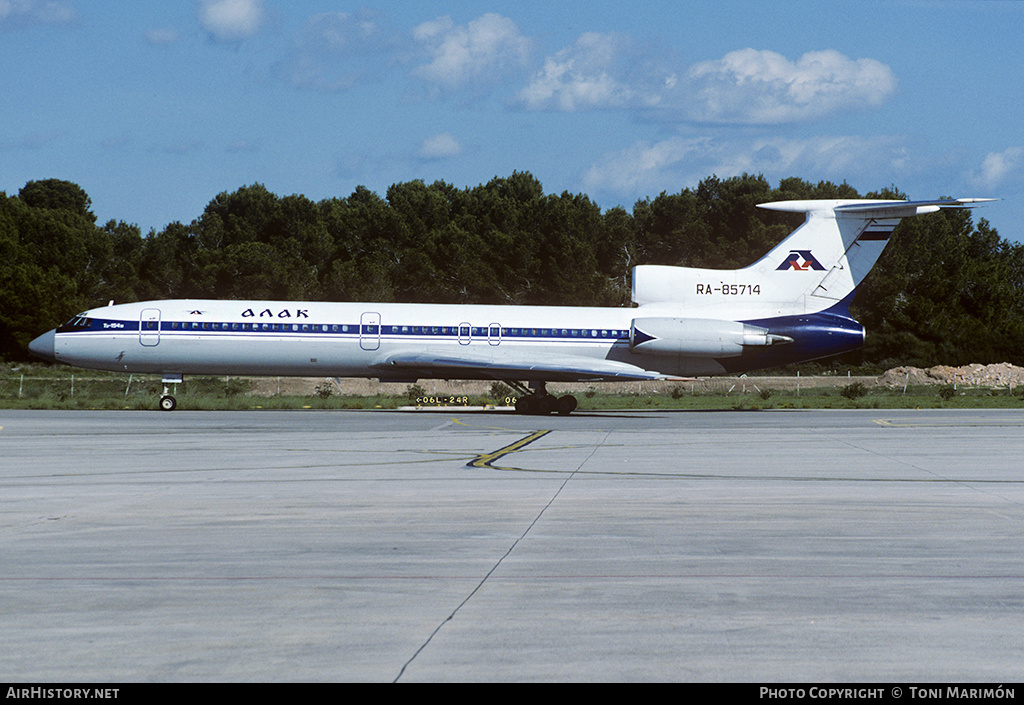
[484, 460]
[998, 423]
[460, 422]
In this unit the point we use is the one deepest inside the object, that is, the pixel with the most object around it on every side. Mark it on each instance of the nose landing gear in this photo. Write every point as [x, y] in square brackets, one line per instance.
[167, 401]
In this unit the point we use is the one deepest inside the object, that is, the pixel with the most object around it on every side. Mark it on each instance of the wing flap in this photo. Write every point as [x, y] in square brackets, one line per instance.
[557, 368]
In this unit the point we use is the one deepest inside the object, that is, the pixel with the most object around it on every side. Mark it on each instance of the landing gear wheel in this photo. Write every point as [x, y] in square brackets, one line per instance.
[168, 403]
[535, 400]
[566, 405]
[546, 404]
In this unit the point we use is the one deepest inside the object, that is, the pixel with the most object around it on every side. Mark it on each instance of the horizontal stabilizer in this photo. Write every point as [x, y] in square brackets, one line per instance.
[873, 208]
[897, 205]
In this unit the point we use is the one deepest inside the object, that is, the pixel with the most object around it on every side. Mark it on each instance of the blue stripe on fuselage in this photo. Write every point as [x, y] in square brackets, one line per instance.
[172, 328]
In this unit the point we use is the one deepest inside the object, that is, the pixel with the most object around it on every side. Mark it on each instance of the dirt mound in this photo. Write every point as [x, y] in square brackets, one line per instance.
[1001, 374]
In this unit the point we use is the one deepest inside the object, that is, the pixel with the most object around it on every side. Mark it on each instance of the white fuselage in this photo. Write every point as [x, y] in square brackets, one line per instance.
[347, 339]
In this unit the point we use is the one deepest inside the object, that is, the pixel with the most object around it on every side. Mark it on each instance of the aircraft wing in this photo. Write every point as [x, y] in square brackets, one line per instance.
[553, 368]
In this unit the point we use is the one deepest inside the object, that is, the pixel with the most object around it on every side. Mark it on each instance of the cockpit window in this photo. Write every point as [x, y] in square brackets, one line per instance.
[78, 322]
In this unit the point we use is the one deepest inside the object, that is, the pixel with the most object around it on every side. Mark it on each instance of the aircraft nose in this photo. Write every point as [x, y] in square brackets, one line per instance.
[43, 346]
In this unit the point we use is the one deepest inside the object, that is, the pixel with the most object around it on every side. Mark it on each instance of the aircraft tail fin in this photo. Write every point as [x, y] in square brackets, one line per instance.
[842, 240]
[819, 264]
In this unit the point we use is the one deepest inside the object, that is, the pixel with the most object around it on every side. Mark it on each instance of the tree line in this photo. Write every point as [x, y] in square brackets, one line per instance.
[947, 290]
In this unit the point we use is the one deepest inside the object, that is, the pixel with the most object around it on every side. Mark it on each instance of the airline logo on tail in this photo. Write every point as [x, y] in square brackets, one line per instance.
[801, 260]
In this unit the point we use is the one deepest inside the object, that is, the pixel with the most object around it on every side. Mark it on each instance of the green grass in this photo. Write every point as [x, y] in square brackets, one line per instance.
[55, 387]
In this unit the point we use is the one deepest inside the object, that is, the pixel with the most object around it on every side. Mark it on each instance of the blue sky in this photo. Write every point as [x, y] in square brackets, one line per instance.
[155, 108]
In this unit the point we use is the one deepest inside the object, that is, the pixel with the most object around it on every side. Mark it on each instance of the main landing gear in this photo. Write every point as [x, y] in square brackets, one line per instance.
[536, 401]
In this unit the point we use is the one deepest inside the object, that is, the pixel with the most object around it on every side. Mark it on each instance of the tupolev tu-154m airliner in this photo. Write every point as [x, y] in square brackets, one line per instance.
[790, 306]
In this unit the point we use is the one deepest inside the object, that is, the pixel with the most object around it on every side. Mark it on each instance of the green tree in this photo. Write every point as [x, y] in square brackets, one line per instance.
[945, 290]
[60, 195]
[54, 261]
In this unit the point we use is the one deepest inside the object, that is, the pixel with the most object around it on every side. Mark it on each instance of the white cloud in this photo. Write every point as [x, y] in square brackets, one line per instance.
[831, 157]
[162, 35]
[15, 13]
[335, 51]
[231, 20]
[997, 166]
[650, 167]
[747, 86]
[587, 74]
[763, 87]
[680, 162]
[442, 146]
[476, 53]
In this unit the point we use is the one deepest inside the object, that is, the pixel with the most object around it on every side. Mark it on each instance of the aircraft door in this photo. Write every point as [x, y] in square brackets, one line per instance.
[369, 331]
[149, 327]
